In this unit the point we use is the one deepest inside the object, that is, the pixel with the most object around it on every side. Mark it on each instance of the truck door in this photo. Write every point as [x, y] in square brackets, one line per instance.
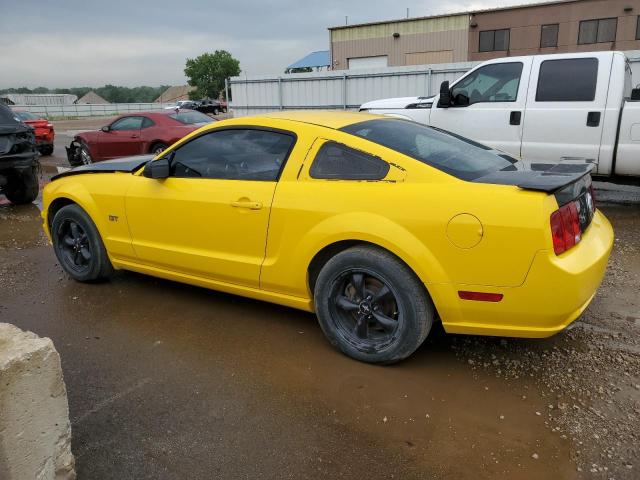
[488, 105]
[565, 108]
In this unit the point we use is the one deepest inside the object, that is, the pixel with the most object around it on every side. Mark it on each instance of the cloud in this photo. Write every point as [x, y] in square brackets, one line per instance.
[78, 42]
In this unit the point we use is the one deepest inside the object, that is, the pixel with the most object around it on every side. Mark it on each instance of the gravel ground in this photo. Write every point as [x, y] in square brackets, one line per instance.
[589, 375]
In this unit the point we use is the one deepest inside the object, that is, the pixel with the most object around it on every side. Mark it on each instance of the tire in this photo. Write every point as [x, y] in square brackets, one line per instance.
[46, 150]
[215, 111]
[157, 148]
[360, 281]
[22, 186]
[85, 154]
[78, 246]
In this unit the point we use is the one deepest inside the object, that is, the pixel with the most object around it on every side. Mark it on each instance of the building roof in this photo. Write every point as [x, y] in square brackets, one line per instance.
[175, 93]
[92, 98]
[455, 14]
[38, 98]
[314, 59]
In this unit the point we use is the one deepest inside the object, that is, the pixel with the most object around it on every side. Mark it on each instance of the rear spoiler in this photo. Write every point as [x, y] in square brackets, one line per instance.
[542, 177]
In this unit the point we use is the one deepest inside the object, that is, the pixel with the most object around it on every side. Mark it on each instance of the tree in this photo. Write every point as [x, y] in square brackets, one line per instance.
[299, 70]
[208, 71]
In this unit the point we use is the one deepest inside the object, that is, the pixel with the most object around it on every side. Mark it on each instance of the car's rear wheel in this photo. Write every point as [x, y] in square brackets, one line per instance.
[371, 306]
[47, 150]
[158, 148]
[85, 154]
[78, 245]
[22, 186]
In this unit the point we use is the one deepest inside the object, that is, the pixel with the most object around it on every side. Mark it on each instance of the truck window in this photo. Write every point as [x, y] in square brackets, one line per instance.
[571, 80]
[498, 82]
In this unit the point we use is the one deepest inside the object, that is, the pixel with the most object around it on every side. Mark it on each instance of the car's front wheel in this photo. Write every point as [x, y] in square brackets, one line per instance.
[158, 148]
[78, 245]
[371, 306]
[22, 186]
[85, 154]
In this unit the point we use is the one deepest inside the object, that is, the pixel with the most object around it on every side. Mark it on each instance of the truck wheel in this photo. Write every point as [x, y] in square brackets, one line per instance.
[371, 306]
[78, 245]
[22, 187]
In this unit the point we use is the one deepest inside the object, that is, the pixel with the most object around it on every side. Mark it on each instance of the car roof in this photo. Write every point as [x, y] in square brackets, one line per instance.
[335, 119]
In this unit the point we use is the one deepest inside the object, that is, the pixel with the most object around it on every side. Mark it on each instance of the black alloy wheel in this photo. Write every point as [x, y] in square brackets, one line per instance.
[74, 246]
[371, 305]
[365, 310]
[78, 245]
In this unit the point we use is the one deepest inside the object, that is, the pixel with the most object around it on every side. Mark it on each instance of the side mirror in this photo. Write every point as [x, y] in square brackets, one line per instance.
[445, 95]
[106, 129]
[157, 168]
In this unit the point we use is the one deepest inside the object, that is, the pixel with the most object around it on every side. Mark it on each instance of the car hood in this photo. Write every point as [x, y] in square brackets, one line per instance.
[126, 165]
[400, 102]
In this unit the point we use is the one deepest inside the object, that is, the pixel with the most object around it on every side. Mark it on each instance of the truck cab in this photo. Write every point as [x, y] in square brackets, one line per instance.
[545, 108]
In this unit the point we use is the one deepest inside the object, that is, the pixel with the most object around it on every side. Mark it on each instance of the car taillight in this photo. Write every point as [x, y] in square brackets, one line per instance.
[565, 227]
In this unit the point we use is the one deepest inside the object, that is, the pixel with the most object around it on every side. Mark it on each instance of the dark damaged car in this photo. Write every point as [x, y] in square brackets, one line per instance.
[18, 159]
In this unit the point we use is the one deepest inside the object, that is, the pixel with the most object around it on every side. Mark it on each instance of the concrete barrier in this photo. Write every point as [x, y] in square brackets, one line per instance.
[35, 434]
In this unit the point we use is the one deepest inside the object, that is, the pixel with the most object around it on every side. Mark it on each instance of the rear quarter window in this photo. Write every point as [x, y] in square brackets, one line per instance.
[569, 80]
[338, 162]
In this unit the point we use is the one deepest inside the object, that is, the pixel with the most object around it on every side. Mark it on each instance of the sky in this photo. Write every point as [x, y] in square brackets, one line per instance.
[69, 43]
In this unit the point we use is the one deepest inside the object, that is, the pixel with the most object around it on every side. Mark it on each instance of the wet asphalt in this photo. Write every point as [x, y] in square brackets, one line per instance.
[171, 381]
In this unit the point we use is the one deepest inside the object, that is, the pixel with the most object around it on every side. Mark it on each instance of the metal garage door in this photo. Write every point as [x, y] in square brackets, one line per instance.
[368, 62]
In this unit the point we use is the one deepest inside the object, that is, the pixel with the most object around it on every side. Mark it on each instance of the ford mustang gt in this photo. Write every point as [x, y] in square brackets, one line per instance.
[379, 225]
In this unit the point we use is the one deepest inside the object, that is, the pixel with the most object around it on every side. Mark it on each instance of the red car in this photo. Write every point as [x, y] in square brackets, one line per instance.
[43, 130]
[134, 134]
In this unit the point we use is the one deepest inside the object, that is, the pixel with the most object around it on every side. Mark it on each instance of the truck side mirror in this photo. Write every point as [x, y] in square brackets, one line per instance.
[157, 168]
[445, 95]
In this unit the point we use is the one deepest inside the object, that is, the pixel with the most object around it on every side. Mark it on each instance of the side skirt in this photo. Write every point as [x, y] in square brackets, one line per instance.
[299, 303]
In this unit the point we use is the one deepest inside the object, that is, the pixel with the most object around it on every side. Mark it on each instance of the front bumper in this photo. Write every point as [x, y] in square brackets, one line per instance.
[556, 291]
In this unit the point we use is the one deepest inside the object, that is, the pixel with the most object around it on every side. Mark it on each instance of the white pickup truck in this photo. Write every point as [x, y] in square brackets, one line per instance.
[576, 107]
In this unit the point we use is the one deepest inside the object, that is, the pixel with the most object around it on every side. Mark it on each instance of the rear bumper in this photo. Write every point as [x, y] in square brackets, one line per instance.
[556, 291]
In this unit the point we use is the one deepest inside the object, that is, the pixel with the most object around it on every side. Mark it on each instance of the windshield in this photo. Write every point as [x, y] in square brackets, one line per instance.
[191, 118]
[22, 115]
[449, 153]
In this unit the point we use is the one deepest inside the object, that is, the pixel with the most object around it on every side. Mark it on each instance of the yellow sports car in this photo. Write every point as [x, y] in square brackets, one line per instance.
[379, 225]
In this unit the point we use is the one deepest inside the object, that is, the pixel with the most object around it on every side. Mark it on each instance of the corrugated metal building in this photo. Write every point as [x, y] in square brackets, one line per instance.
[37, 99]
[412, 41]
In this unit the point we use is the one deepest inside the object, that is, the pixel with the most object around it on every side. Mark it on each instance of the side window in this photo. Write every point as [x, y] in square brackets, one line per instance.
[338, 162]
[127, 123]
[147, 122]
[494, 83]
[571, 80]
[234, 154]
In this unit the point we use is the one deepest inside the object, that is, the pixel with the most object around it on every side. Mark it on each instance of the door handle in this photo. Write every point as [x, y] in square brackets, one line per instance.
[515, 118]
[135, 136]
[593, 119]
[247, 204]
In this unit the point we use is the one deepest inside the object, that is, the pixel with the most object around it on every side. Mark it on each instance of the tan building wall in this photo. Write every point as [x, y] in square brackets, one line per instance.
[419, 41]
[525, 27]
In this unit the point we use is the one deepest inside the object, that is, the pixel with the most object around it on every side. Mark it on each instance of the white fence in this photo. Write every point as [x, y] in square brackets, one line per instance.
[341, 89]
[348, 89]
[88, 110]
